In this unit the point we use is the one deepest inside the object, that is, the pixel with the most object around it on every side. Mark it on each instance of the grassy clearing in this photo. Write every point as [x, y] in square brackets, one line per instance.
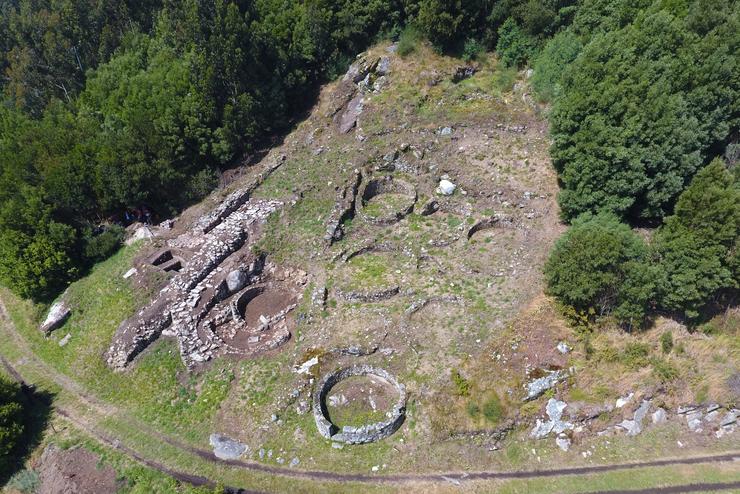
[151, 389]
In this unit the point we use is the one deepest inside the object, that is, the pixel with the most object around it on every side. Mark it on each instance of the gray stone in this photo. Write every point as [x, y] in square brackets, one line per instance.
[384, 66]
[464, 72]
[225, 448]
[141, 233]
[348, 119]
[693, 420]
[554, 410]
[128, 274]
[58, 314]
[729, 419]
[294, 462]
[563, 442]
[538, 386]
[563, 347]
[65, 340]
[542, 429]
[624, 400]
[631, 426]
[445, 131]
[446, 188]
[236, 280]
[659, 416]
[642, 411]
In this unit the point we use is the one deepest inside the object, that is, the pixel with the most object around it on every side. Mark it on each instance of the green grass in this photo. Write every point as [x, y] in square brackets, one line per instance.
[150, 389]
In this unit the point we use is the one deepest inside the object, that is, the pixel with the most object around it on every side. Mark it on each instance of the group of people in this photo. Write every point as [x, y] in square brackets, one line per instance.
[139, 214]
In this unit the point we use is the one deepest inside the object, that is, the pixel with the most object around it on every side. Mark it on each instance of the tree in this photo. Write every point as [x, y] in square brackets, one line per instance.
[514, 46]
[698, 245]
[558, 53]
[11, 423]
[599, 267]
[642, 108]
[709, 207]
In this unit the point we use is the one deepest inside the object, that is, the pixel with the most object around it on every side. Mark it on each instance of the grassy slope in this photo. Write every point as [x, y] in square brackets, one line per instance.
[157, 392]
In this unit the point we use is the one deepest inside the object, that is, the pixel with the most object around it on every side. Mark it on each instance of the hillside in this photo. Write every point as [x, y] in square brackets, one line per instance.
[401, 230]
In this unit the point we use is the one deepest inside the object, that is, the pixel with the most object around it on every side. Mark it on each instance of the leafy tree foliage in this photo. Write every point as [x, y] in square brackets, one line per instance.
[11, 423]
[697, 246]
[642, 108]
[598, 267]
[514, 46]
[557, 54]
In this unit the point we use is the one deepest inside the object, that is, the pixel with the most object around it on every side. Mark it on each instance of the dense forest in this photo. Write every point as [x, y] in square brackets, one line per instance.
[113, 106]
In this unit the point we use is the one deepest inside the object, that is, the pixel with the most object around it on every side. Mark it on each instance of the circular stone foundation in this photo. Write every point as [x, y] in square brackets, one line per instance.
[386, 200]
[257, 312]
[362, 434]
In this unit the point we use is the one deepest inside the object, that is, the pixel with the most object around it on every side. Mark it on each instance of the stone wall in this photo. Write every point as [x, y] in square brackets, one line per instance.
[191, 294]
[367, 433]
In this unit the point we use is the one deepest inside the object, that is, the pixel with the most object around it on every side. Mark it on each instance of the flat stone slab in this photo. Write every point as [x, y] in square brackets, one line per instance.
[225, 448]
[58, 314]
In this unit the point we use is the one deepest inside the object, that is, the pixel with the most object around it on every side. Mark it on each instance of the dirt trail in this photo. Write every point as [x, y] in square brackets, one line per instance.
[316, 475]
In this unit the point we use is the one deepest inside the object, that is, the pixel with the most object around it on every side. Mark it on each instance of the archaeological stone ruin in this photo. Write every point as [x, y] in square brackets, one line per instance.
[222, 298]
[366, 433]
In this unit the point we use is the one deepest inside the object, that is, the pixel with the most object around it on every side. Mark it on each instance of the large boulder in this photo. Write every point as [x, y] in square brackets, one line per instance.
[225, 448]
[236, 280]
[58, 314]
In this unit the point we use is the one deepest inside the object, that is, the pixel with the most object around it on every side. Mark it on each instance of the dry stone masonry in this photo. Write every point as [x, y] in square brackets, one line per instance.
[190, 306]
[367, 433]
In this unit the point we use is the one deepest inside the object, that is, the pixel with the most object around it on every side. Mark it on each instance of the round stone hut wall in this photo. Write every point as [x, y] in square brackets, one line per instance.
[366, 433]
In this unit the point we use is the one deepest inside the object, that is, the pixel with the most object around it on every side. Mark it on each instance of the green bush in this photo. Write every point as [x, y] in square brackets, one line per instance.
[664, 370]
[598, 267]
[514, 46]
[25, 481]
[493, 410]
[504, 78]
[472, 50]
[558, 53]
[635, 355]
[101, 246]
[462, 385]
[408, 41]
[666, 342]
[473, 409]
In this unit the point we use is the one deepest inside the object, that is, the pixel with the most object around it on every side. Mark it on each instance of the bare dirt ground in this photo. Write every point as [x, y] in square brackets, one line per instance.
[73, 471]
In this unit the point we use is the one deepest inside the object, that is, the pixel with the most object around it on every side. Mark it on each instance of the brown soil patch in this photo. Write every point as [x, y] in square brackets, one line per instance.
[267, 303]
[74, 471]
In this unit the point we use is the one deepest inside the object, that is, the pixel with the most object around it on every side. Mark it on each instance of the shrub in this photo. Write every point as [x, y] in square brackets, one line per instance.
[462, 385]
[514, 46]
[25, 481]
[635, 355]
[666, 342]
[504, 78]
[493, 410]
[558, 53]
[101, 246]
[408, 41]
[11, 423]
[473, 409]
[664, 370]
[472, 50]
[598, 267]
